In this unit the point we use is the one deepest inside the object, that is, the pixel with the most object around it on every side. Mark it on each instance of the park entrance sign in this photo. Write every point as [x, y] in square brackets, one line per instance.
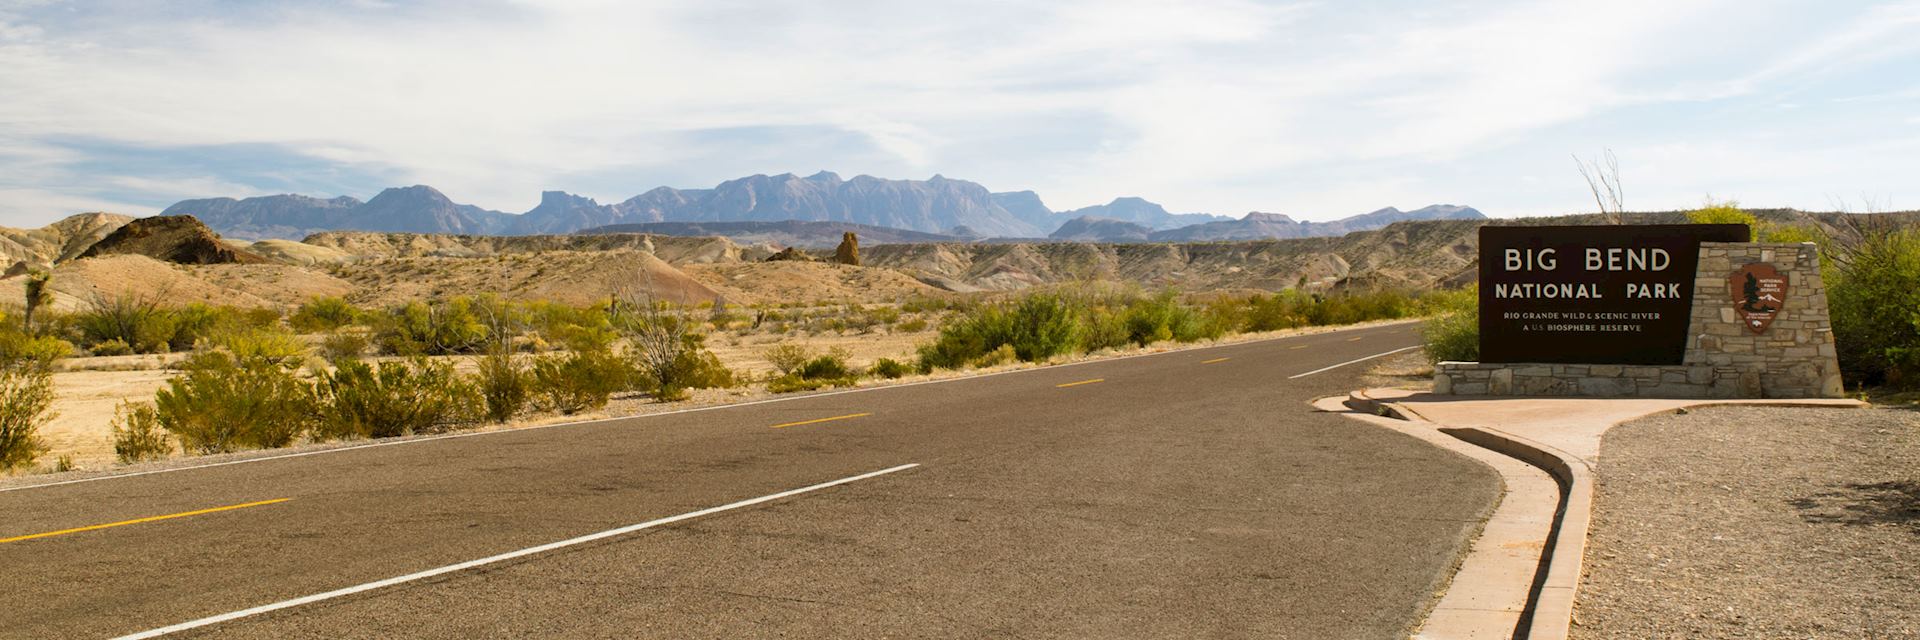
[1648, 311]
[1591, 294]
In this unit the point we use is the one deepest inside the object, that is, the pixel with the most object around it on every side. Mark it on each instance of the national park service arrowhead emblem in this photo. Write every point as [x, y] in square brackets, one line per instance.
[1759, 290]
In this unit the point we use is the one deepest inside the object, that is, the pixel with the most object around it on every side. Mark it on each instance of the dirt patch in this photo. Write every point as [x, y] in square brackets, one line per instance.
[1405, 370]
[811, 282]
[75, 284]
[1755, 522]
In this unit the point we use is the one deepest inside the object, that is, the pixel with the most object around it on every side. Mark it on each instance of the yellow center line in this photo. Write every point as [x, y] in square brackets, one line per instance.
[1355, 338]
[1215, 360]
[1299, 347]
[123, 523]
[1076, 384]
[819, 420]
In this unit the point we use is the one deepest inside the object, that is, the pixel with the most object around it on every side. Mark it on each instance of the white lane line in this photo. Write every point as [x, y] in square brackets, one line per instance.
[1326, 369]
[411, 577]
[716, 407]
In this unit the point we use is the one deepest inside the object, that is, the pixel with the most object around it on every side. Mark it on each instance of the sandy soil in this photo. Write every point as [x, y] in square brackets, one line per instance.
[84, 402]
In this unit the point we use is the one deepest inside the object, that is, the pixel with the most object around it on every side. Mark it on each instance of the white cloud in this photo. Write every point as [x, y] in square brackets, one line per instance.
[1218, 105]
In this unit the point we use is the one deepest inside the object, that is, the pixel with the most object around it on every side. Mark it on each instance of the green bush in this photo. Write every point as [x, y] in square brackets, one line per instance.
[271, 346]
[1284, 310]
[226, 403]
[137, 435]
[139, 321]
[114, 347]
[1002, 354]
[21, 348]
[1452, 331]
[889, 368]
[324, 313]
[579, 380]
[505, 384]
[1044, 325]
[787, 357]
[439, 328]
[911, 325]
[829, 369]
[341, 346]
[199, 322]
[359, 400]
[826, 367]
[1034, 327]
[1874, 296]
[26, 391]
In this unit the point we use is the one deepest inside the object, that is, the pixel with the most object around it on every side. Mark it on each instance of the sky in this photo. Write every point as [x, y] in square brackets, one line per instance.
[1318, 110]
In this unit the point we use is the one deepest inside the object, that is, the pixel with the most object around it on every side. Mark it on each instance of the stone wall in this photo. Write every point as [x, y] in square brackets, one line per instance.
[1794, 358]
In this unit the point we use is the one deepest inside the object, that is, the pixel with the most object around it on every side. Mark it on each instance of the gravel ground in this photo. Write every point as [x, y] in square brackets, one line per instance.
[1750, 522]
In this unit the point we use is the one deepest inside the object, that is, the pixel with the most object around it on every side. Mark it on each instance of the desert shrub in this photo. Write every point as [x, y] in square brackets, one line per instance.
[114, 347]
[578, 380]
[911, 325]
[576, 327]
[17, 347]
[395, 398]
[1361, 306]
[1283, 310]
[1452, 330]
[340, 346]
[137, 320]
[889, 368]
[1161, 317]
[1034, 327]
[1727, 212]
[272, 346]
[26, 392]
[787, 357]
[225, 403]
[1104, 327]
[1044, 325]
[505, 384]
[137, 435]
[1874, 297]
[438, 328]
[1002, 354]
[197, 322]
[324, 313]
[966, 336]
[829, 369]
[826, 367]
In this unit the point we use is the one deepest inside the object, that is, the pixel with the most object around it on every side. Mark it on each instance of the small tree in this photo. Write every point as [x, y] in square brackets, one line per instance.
[38, 295]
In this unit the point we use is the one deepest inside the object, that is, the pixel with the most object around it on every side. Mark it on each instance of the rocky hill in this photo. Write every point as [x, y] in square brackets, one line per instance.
[177, 239]
[63, 240]
[1092, 229]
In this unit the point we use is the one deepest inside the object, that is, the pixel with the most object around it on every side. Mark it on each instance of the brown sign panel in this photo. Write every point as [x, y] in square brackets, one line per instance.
[1759, 290]
[1615, 294]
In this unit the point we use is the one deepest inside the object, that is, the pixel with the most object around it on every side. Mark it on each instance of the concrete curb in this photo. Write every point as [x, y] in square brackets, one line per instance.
[1488, 595]
[1549, 607]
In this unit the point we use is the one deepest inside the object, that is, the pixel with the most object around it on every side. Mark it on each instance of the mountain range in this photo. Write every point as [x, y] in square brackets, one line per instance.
[938, 205]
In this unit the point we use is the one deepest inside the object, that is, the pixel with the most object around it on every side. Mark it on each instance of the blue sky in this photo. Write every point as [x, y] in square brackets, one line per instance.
[1314, 109]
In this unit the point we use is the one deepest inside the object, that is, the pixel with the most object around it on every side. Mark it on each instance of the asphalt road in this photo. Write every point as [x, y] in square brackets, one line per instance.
[1179, 495]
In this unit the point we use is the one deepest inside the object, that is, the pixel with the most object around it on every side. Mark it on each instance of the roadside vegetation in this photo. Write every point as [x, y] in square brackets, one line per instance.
[329, 370]
[1041, 325]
